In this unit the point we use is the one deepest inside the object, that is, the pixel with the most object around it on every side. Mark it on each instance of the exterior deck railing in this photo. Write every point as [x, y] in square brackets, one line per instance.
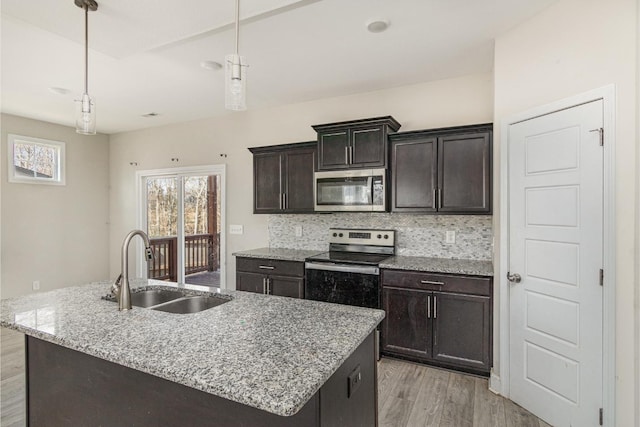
[200, 254]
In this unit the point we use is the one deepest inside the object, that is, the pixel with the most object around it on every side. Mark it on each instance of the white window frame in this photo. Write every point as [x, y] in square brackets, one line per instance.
[59, 177]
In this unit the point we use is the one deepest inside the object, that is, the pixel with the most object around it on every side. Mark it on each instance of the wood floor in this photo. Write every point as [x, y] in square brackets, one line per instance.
[410, 395]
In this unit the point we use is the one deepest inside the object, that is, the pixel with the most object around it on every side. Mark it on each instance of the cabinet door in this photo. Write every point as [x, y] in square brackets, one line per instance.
[464, 173]
[462, 330]
[251, 282]
[368, 147]
[286, 286]
[406, 327]
[267, 182]
[300, 165]
[333, 149]
[413, 179]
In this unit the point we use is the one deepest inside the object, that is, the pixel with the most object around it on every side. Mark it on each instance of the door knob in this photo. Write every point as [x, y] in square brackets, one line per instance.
[515, 277]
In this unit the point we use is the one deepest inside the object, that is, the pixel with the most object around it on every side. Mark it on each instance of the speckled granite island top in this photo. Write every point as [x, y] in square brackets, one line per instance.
[440, 265]
[271, 353]
[282, 254]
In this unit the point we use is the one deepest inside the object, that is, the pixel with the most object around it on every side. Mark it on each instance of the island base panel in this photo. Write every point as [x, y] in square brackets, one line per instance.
[66, 387]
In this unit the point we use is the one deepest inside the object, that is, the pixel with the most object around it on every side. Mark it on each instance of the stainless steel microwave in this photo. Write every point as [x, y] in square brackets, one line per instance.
[361, 190]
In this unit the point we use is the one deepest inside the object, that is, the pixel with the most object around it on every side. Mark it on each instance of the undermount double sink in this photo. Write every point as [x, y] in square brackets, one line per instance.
[174, 301]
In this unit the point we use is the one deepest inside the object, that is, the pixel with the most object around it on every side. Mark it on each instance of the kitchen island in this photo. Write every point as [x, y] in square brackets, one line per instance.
[255, 360]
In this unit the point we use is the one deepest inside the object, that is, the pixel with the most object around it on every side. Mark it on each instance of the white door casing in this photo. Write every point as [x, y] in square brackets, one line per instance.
[555, 183]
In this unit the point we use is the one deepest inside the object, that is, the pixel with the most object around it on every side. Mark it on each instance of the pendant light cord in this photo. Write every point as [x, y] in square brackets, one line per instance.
[86, 48]
[237, 24]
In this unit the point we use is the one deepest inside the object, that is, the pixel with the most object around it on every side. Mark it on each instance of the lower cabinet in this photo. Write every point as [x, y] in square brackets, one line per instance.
[444, 320]
[271, 277]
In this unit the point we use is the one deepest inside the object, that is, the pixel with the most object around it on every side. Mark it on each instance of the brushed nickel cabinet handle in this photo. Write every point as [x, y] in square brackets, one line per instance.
[439, 198]
[431, 282]
[266, 267]
[428, 306]
[346, 154]
[264, 285]
[435, 307]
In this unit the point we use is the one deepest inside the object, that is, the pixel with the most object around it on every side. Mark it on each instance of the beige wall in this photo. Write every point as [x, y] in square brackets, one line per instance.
[55, 234]
[451, 102]
[572, 47]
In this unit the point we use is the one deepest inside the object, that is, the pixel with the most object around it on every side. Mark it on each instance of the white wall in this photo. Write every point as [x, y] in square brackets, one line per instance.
[55, 234]
[572, 47]
[465, 100]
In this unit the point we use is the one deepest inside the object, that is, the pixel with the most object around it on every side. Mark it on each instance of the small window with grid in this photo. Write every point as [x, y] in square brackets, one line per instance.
[35, 160]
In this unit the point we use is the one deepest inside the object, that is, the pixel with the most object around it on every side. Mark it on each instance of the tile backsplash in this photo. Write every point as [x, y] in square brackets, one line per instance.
[416, 235]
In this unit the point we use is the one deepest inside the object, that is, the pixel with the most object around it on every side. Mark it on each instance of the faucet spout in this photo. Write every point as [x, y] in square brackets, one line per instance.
[123, 291]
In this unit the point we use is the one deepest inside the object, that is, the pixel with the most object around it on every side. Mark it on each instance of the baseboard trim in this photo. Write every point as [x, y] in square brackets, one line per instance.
[495, 385]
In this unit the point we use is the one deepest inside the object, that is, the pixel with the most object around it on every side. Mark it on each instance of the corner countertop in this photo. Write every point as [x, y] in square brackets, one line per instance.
[232, 351]
[440, 265]
[282, 254]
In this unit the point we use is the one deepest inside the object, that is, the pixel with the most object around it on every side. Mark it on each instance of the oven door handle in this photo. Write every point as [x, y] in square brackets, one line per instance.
[344, 268]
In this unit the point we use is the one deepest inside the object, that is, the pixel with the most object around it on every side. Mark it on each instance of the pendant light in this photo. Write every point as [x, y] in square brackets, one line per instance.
[85, 106]
[235, 76]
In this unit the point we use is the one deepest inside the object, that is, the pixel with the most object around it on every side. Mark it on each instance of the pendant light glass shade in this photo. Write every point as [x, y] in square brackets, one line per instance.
[235, 83]
[85, 115]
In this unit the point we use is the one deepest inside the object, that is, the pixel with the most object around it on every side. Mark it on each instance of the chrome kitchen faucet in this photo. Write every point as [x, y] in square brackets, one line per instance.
[120, 289]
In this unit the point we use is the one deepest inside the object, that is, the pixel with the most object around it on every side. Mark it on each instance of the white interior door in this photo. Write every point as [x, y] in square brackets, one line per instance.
[555, 245]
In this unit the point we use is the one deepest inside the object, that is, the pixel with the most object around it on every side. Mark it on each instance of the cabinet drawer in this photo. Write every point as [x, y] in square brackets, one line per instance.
[437, 282]
[270, 266]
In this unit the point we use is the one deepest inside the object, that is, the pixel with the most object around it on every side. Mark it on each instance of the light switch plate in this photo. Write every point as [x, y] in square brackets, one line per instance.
[298, 231]
[236, 229]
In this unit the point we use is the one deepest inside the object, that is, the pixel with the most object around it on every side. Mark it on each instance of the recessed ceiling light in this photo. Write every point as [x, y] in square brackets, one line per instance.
[152, 114]
[59, 90]
[378, 26]
[211, 65]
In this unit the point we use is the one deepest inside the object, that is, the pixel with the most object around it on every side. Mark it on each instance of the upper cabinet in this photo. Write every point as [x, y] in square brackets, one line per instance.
[283, 178]
[354, 144]
[442, 170]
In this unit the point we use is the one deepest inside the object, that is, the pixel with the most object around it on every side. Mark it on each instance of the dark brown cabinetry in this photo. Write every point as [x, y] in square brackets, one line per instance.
[354, 144]
[283, 178]
[271, 277]
[445, 320]
[442, 170]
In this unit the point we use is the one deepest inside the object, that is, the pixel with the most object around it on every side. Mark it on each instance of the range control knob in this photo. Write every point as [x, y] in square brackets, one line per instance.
[386, 236]
[379, 236]
[340, 234]
[335, 234]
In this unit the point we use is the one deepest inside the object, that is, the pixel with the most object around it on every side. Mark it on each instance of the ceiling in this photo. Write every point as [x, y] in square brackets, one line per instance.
[145, 55]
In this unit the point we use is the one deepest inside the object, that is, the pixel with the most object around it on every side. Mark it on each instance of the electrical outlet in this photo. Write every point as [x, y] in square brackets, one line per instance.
[236, 229]
[450, 237]
[298, 231]
[35, 285]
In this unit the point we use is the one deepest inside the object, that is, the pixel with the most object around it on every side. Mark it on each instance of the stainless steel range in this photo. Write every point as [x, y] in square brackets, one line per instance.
[349, 272]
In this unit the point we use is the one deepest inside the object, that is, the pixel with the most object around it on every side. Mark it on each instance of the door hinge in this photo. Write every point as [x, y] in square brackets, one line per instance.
[601, 277]
[600, 133]
[601, 417]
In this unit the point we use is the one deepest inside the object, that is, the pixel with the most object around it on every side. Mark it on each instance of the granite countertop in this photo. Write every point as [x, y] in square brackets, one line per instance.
[283, 254]
[440, 265]
[232, 350]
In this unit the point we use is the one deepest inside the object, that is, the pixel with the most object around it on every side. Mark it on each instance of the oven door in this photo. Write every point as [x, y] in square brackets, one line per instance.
[343, 284]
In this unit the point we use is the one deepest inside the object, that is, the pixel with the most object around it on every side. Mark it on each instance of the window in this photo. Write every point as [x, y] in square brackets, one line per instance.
[35, 161]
